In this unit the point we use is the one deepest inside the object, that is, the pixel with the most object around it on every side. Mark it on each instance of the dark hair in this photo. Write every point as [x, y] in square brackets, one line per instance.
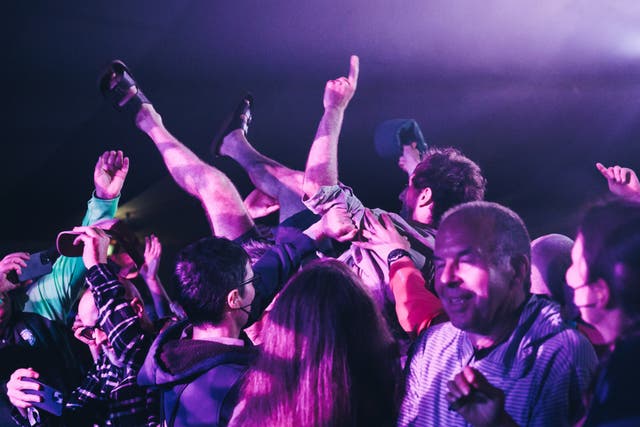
[452, 177]
[611, 240]
[328, 358]
[207, 271]
[508, 235]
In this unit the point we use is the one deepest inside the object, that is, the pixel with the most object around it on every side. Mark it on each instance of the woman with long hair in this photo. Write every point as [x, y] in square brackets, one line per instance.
[327, 358]
[605, 277]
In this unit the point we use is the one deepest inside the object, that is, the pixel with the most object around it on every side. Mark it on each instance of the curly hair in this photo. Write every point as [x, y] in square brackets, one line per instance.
[207, 271]
[452, 177]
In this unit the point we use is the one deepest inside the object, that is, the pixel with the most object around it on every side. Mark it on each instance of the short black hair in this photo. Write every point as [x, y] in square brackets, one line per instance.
[207, 271]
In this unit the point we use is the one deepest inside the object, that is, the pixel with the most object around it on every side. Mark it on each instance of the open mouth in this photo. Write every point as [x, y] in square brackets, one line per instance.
[458, 302]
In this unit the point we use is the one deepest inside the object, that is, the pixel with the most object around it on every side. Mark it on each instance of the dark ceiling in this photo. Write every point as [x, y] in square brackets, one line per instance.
[535, 92]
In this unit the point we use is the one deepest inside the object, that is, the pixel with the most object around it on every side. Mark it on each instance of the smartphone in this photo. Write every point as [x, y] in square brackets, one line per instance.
[38, 265]
[52, 399]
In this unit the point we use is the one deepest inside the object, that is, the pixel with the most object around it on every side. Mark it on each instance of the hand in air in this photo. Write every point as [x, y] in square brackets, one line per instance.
[622, 181]
[109, 174]
[338, 92]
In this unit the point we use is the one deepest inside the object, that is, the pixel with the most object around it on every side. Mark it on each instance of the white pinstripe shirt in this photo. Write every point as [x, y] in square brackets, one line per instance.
[543, 368]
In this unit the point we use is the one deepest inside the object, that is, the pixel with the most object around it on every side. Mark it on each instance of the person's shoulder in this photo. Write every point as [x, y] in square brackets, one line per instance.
[437, 335]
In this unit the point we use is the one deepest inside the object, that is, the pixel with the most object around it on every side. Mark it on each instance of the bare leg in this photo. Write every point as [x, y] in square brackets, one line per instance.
[219, 197]
[272, 178]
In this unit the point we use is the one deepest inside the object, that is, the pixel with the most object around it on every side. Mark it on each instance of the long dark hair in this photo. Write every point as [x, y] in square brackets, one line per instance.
[327, 358]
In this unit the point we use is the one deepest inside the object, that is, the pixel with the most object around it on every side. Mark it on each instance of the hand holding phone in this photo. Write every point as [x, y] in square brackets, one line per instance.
[35, 266]
[51, 399]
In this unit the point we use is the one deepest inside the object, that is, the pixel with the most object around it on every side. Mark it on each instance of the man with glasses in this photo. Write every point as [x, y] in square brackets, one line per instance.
[111, 320]
[198, 363]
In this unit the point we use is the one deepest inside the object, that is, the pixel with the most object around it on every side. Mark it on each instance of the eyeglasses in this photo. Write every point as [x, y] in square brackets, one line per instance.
[254, 280]
[88, 332]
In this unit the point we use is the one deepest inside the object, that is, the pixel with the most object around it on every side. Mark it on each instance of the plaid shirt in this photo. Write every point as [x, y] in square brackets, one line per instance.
[110, 393]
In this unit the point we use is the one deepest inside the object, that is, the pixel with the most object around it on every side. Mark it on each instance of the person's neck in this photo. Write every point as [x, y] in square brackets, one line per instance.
[504, 327]
[225, 329]
[423, 215]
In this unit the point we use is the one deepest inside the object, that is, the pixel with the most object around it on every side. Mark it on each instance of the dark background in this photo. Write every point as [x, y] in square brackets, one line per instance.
[536, 92]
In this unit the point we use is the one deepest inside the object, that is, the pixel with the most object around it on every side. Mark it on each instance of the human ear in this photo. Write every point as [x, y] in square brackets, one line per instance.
[426, 197]
[233, 299]
[520, 265]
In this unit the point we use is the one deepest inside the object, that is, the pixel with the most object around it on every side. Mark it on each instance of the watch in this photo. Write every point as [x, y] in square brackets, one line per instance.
[396, 254]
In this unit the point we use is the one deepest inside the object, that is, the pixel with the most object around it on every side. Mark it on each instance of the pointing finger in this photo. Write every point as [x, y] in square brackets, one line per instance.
[354, 70]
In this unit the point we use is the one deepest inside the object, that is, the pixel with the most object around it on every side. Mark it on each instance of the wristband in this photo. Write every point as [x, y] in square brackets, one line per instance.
[396, 254]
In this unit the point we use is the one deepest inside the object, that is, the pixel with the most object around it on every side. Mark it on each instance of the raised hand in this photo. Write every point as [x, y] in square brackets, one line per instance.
[338, 92]
[480, 403]
[622, 181]
[381, 237]
[410, 158]
[12, 262]
[96, 245]
[109, 174]
[152, 254]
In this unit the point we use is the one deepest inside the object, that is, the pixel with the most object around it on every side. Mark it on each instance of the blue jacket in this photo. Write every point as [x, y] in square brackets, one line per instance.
[199, 380]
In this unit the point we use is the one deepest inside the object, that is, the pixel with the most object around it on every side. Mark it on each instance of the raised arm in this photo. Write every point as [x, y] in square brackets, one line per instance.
[322, 163]
[149, 271]
[53, 295]
[120, 317]
[283, 260]
[622, 181]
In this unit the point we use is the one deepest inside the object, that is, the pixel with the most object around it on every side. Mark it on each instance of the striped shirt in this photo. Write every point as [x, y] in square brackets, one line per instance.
[544, 368]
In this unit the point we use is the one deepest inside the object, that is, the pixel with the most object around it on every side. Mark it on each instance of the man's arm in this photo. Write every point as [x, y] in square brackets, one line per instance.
[416, 307]
[282, 260]
[117, 316]
[53, 295]
[322, 163]
[565, 380]
[149, 272]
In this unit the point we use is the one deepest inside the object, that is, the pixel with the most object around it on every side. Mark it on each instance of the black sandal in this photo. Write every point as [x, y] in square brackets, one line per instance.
[116, 82]
[238, 119]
